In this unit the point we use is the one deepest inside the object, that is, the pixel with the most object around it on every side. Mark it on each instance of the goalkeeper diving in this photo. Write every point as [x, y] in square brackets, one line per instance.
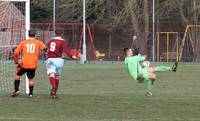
[140, 73]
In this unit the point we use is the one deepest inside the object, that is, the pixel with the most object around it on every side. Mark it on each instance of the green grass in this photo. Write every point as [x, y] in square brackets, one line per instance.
[105, 92]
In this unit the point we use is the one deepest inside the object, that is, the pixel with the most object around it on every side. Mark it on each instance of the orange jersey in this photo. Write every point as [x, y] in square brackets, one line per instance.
[30, 50]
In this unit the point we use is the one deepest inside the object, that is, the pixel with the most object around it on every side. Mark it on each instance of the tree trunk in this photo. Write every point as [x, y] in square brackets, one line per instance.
[146, 23]
[131, 4]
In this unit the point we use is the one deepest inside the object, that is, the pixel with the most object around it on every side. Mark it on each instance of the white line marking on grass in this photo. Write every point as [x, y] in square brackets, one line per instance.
[22, 119]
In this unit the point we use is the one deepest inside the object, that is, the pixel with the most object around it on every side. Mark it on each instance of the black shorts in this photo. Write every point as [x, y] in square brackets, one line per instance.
[29, 72]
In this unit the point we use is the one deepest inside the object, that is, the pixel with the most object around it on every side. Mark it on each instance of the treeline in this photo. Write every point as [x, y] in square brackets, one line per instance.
[171, 15]
[118, 12]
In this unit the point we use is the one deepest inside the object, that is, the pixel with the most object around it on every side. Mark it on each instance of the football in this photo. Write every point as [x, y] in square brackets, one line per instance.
[146, 64]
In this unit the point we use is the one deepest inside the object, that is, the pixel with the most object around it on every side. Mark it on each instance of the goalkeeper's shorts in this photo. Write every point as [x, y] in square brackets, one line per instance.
[145, 73]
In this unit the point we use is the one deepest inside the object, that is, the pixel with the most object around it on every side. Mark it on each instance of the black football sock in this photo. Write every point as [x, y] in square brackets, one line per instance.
[16, 84]
[31, 90]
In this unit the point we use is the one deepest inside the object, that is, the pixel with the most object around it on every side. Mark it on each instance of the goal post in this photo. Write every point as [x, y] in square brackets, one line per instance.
[14, 27]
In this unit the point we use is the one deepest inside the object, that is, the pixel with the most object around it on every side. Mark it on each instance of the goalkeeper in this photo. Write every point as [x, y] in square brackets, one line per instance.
[143, 74]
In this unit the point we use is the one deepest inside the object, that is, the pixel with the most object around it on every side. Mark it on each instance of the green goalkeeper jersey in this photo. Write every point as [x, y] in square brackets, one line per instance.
[133, 65]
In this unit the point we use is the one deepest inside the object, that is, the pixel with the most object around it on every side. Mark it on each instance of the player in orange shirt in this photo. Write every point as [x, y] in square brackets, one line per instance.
[29, 50]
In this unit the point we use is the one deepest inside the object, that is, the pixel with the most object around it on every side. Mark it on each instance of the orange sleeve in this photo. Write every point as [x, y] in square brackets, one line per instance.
[42, 45]
[16, 53]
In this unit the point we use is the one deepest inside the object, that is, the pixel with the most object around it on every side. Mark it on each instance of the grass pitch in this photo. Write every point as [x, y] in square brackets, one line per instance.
[105, 92]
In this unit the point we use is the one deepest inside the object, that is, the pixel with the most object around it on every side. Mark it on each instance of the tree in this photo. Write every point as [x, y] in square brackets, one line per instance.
[127, 15]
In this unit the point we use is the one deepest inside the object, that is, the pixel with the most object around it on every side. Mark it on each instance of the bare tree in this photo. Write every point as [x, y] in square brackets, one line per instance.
[131, 15]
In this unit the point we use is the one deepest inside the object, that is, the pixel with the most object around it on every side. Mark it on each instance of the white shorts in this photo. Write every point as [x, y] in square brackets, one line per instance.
[54, 65]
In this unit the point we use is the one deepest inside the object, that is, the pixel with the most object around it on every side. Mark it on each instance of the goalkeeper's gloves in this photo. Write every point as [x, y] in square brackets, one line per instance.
[136, 51]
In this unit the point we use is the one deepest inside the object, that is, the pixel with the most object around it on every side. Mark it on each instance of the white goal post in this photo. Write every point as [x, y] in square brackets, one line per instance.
[14, 27]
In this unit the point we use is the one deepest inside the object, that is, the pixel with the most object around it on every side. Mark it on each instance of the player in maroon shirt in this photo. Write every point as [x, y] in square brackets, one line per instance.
[55, 47]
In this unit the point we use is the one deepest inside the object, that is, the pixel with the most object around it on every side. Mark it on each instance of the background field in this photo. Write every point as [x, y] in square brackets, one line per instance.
[104, 92]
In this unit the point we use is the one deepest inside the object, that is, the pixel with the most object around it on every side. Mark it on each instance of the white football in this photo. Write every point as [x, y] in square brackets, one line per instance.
[146, 64]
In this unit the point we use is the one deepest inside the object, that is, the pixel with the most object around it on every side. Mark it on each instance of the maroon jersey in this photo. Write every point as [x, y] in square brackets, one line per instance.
[56, 46]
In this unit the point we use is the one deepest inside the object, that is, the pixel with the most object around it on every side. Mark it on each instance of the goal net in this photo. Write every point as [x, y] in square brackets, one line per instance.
[12, 31]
